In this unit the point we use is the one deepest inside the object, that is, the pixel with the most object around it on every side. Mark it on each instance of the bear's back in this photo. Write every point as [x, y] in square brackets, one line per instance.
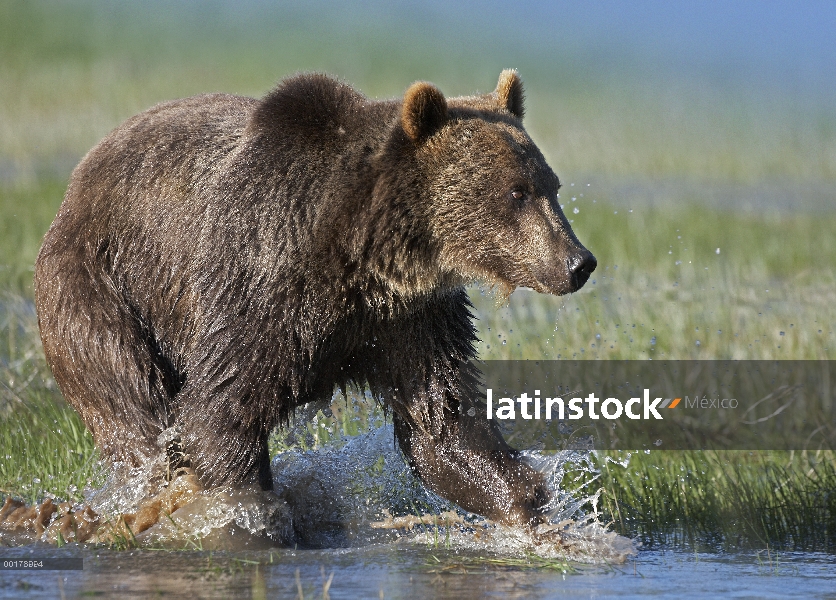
[177, 137]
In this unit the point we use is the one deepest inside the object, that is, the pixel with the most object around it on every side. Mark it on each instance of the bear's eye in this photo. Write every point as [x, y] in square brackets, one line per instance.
[518, 195]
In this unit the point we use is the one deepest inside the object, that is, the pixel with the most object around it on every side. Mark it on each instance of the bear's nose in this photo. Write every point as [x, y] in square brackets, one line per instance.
[580, 267]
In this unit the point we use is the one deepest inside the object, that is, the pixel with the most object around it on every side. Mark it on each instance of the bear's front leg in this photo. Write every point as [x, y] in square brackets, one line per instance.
[465, 459]
[422, 366]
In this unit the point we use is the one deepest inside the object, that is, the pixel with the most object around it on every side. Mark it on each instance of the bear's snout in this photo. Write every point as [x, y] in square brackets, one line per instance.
[580, 267]
[563, 274]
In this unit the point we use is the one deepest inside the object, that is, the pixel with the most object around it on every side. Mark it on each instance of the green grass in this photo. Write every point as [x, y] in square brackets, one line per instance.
[27, 211]
[725, 499]
[44, 448]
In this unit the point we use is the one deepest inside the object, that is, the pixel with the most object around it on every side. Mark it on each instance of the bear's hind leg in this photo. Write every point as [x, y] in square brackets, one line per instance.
[226, 444]
[105, 361]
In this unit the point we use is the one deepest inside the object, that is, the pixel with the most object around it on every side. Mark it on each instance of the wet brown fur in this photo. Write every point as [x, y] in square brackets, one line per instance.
[220, 260]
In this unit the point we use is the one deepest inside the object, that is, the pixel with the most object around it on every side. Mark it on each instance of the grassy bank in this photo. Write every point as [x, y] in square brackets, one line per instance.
[726, 499]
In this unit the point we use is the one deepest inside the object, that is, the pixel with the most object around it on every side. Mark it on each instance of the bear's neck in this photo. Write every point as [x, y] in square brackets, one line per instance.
[374, 234]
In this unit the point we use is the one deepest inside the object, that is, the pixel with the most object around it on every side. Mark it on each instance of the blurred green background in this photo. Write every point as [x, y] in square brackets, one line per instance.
[696, 144]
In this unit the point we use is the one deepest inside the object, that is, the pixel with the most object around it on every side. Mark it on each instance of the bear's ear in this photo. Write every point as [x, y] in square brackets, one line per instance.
[510, 92]
[424, 111]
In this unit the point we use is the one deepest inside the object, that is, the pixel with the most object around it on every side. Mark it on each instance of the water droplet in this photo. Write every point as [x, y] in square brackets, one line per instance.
[653, 341]
[717, 251]
[576, 211]
[782, 333]
[698, 344]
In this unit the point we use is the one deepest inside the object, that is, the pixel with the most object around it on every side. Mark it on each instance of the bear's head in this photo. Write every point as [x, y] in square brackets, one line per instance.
[489, 197]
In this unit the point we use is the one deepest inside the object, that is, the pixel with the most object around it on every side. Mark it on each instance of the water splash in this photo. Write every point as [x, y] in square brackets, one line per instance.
[364, 492]
[337, 492]
[354, 492]
[125, 488]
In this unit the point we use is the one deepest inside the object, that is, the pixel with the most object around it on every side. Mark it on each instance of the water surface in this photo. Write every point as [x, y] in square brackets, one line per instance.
[412, 570]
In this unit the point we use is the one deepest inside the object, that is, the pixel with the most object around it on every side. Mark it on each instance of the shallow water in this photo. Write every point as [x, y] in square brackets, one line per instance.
[337, 497]
[398, 570]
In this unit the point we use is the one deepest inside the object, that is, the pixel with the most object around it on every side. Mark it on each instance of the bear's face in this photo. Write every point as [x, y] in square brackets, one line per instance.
[493, 200]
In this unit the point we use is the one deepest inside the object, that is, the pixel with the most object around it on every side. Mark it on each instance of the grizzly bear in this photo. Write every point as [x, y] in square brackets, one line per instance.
[219, 261]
